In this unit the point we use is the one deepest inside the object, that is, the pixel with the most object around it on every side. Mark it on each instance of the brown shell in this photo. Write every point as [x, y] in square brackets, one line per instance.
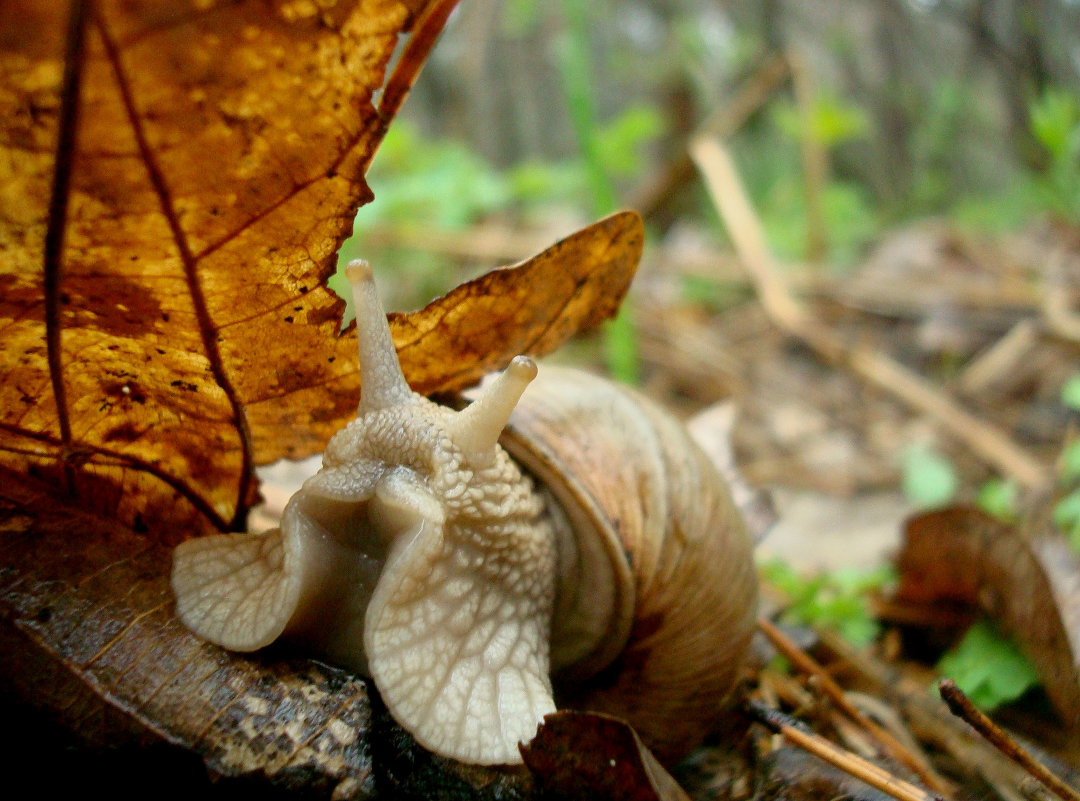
[679, 619]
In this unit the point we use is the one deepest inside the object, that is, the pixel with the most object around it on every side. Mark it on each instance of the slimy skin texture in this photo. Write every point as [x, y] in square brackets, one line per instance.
[419, 555]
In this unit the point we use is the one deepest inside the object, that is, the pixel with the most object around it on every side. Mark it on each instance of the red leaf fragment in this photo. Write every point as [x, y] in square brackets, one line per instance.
[586, 755]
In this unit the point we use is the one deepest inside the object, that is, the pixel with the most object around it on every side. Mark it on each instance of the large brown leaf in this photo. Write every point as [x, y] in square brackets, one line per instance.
[212, 171]
[184, 332]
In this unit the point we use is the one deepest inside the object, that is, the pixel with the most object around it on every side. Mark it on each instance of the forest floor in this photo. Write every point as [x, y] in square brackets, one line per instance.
[834, 388]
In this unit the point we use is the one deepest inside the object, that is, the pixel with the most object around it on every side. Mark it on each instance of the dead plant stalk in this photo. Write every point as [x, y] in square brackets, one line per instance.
[744, 226]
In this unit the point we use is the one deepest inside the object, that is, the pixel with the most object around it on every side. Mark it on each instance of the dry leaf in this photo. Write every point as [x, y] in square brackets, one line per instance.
[1030, 585]
[531, 308]
[185, 334]
[218, 160]
[587, 755]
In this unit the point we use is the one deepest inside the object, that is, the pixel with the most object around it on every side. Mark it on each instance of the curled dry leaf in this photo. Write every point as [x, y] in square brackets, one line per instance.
[531, 308]
[1029, 584]
[587, 755]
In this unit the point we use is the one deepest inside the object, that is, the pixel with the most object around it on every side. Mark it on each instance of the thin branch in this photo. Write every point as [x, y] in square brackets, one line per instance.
[961, 706]
[747, 234]
[807, 664]
[930, 721]
[789, 728]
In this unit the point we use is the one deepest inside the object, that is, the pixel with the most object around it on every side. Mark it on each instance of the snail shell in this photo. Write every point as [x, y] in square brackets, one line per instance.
[656, 595]
[422, 555]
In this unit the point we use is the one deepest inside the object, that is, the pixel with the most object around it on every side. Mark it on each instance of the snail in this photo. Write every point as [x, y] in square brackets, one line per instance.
[595, 556]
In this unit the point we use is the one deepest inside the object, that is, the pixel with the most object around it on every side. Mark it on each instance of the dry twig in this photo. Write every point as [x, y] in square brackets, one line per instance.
[877, 777]
[961, 706]
[807, 664]
[930, 721]
[744, 227]
[1057, 311]
[728, 117]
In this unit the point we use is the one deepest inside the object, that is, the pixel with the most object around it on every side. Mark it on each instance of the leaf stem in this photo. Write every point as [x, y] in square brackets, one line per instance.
[74, 55]
[961, 706]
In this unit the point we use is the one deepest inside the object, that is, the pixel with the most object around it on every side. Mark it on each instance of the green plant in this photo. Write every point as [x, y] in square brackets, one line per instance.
[1067, 517]
[576, 71]
[1066, 514]
[422, 181]
[929, 479]
[1069, 463]
[829, 121]
[837, 600]
[989, 667]
[769, 159]
[999, 498]
[1054, 119]
[1070, 392]
[849, 214]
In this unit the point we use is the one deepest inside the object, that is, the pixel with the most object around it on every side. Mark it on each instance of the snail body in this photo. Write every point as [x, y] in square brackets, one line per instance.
[603, 550]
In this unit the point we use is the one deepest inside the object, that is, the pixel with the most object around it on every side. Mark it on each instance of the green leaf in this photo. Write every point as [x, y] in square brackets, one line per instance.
[929, 479]
[999, 498]
[1067, 512]
[1069, 464]
[1055, 118]
[831, 120]
[989, 667]
[424, 182]
[836, 601]
[1070, 392]
[620, 142]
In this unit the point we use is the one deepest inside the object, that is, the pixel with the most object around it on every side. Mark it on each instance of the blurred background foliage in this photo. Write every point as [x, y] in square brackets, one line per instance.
[847, 119]
[548, 115]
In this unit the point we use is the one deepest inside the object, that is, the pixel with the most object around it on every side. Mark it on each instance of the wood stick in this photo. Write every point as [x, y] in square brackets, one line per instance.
[789, 728]
[1001, 359]
[961, 706]
[931, 722]
[748, 236]
[897, 750]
